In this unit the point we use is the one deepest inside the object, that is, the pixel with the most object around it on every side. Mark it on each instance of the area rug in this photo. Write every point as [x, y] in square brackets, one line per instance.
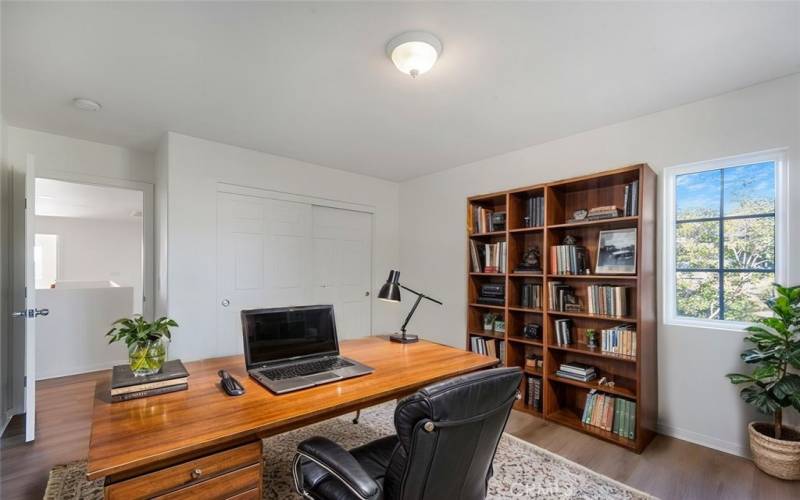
[521, 470]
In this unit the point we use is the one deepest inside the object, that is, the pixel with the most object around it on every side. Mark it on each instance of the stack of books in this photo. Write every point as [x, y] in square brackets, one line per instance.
[531, 296]
[577, 371]
[489, 347]
[563, 329]
[569, 259]
[607, 300]
[631, 199]
[487, 221]
[489, 257]
[125, 386]
[619, 340]
[562, 297]
[534, 211]
[534, 396]
[617, 415]
[605, 212]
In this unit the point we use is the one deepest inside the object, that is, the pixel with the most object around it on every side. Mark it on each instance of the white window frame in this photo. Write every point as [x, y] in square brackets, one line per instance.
[778, 156]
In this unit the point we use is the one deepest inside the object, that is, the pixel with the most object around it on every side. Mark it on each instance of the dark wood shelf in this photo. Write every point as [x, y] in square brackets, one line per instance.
[637, 376]
[620, 319]
[521, 340]
[488, 334]
[592, 384]
[583, 349]
[615, 222]
[488, 306]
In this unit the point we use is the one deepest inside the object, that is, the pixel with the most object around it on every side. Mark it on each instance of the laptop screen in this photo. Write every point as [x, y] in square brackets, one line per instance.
[288, 332]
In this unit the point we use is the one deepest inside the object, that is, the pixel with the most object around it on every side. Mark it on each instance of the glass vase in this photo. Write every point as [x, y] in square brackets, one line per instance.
[146, 358]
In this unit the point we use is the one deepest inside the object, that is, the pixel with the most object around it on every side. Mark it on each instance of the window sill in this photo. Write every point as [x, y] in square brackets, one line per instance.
[718, 325]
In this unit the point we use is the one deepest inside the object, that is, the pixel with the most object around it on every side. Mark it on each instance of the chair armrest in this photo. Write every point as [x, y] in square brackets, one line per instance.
[341, 464]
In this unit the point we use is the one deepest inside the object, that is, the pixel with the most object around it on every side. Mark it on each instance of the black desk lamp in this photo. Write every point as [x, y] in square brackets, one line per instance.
[390, 292]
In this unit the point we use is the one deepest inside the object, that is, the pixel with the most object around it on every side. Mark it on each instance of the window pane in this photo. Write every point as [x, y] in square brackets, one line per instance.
[697, 295]
[697, 195]
[745, 294]
[750, 189]
[697, 245]
[750, 243]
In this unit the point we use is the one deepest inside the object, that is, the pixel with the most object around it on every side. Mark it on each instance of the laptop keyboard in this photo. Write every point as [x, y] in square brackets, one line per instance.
[301, 369]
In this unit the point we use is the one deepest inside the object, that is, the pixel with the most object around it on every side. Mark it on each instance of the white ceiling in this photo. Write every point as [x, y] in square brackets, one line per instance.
[84, 201]
[312, 81]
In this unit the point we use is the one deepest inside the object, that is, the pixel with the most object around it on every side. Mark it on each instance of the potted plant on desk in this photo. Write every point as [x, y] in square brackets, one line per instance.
[147, 342]
[771, 387]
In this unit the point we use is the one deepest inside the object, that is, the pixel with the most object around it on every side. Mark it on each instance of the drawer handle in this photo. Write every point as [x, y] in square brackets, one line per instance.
[197, 473]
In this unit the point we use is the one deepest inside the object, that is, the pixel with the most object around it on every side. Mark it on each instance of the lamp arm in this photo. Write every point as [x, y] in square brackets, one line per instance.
[420, 296]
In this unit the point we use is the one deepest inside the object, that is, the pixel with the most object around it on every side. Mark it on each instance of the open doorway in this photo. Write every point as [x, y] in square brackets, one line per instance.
[89, 271]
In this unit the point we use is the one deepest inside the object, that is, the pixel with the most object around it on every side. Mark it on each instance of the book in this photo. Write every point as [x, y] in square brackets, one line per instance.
[570, 259]
[122, 376]
[607, 300]
[149, 386]
[152, 392]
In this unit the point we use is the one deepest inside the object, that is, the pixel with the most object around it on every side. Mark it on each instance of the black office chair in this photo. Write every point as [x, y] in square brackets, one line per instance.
[447, 435]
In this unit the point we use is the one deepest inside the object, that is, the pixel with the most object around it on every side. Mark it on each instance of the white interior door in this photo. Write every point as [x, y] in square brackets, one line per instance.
[263, 260]
[341, 267]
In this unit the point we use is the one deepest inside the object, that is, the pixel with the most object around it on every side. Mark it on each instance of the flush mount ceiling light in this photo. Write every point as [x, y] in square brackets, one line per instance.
[414, 52]
[86, 104]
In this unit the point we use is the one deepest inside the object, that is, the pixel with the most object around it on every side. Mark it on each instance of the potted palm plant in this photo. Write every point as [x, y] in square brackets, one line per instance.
[771, 386]
[146, 341]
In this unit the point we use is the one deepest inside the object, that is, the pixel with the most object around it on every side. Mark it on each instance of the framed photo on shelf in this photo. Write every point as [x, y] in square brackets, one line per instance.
[616, 251]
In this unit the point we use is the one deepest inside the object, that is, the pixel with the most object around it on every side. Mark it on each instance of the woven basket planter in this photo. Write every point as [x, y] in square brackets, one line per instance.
[776, 457]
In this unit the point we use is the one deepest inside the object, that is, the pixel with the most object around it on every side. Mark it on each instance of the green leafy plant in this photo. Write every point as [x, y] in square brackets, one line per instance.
[138, 331]
[771, 386]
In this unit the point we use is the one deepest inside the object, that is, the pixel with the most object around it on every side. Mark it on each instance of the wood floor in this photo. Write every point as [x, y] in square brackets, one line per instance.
[668, 468]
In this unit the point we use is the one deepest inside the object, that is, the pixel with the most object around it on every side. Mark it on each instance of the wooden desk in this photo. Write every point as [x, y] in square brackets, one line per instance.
[201, 442]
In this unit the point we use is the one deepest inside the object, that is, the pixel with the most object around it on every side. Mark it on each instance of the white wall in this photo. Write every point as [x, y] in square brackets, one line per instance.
[696, 402]
[195, 167]
[98, 250]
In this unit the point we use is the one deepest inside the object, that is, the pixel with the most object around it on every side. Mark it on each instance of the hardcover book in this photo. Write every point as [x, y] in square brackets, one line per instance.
[122, 376]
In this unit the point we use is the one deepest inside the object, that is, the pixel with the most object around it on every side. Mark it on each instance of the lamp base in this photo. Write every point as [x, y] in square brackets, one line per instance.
[399, 338]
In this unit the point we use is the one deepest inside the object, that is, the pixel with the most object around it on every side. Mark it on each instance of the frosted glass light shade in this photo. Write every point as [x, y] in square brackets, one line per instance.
[415, 52]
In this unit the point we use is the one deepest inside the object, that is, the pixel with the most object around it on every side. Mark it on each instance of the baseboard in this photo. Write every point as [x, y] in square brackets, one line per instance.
[703, 440]
[84, 369]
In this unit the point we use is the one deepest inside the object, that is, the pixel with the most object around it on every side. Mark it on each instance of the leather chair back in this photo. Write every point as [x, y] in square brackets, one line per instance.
[448, 434]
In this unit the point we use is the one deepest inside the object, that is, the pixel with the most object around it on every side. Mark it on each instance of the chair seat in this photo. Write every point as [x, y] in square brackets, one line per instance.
[373, 457]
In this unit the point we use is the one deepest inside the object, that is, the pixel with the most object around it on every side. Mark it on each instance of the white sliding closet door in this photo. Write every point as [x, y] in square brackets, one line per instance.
[264, 251]
[342, 263]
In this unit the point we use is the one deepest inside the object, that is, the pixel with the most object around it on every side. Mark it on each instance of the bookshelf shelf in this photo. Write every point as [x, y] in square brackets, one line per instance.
[582, 349]
[633, 191]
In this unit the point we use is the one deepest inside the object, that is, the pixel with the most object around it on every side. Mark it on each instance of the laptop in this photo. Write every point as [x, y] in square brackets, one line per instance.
[292, 348]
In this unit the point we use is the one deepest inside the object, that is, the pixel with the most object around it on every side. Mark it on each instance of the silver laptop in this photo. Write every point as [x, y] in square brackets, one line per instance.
[292, 348]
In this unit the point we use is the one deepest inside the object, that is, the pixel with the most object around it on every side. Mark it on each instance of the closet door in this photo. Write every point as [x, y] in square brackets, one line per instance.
[264, 251]
[342, 264]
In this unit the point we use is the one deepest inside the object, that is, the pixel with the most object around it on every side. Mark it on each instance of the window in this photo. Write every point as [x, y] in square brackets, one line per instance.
[45, 259]
[724, 229]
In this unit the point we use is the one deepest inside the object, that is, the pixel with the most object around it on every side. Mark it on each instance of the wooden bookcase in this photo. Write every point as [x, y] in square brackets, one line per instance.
[635, 378]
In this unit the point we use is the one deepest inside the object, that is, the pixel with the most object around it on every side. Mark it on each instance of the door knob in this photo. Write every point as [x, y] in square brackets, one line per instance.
[226, 302]
[30, 313]
[41, 312]
[20, 314]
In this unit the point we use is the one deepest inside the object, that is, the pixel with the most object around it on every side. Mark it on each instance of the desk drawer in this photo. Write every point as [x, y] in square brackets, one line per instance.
[190, 473]
[228, 486]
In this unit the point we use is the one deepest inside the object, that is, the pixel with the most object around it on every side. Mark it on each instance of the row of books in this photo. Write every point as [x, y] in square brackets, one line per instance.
[613, 414]
[563, 329]
[569, 259]
[489, 347]
[534, 211]
[489, 257]
[125, 386]
[487, 221]
[534, 396]
[619, 340]
[562, 297]
[608, 300]
[576, 371]
[604, 212]
[631, 199]
[531, 296]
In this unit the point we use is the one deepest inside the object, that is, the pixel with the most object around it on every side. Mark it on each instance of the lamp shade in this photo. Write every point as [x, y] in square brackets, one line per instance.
[390, 291]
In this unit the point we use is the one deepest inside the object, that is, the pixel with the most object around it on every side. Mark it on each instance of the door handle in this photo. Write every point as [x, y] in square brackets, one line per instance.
[20, 314]
[41, 312]
[30, 313]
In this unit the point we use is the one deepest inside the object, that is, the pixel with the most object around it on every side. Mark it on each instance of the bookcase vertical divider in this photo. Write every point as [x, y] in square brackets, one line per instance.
[635, 377]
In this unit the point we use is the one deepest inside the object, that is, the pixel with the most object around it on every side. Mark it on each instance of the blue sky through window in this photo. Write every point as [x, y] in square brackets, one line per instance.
[749, 189]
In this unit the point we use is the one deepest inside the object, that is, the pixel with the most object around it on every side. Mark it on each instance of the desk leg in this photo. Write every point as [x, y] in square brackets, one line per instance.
[358, 415]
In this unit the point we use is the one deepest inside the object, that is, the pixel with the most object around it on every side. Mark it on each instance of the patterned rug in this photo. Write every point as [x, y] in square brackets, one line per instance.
[521, 470]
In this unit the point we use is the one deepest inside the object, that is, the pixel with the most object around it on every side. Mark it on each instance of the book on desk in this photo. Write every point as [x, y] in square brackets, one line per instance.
[125, 385]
